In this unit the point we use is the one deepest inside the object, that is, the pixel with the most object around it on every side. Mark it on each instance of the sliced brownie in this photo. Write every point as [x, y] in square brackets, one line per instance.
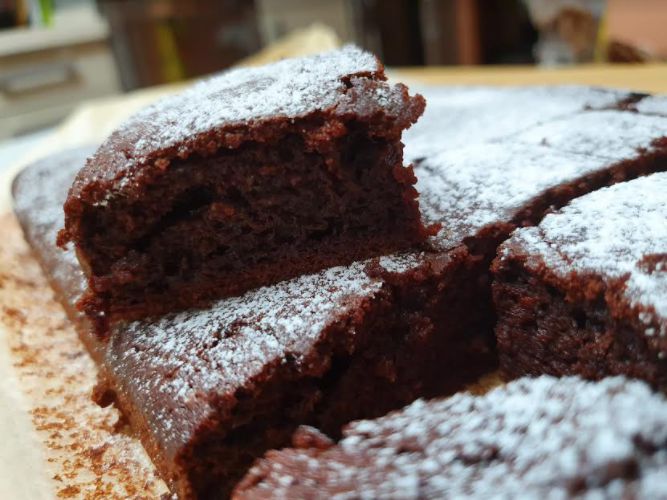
[534, 438]
[254, 176]
[585, 292]
[209, 390]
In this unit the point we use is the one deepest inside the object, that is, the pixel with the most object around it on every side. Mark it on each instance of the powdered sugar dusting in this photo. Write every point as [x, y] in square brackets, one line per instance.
[187, 355]
[476, 186]
[473, 186]
[221, 349]
[611, 233]
[534, 438]
[31, 187]
[291, 88]
[182, 359]
[400, 263]
[459, 116]
[653, 105]
[39, 194]
[615, 135]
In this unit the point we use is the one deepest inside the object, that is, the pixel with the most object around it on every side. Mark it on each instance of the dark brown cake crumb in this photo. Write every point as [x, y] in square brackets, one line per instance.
[255, 176]
[585, 292]
[209, 390]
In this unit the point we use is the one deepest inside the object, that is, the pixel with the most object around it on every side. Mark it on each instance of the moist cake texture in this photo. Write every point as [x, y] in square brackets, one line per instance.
[534, 438]
[209, 390]
[246, 179]
[585, 292]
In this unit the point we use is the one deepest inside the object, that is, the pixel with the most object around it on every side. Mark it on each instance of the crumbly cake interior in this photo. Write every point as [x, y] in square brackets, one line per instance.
[585, 292]
[90, 452]
[252, 176]
[183, 363]
[222, 223]
[575, 337]
[361, 367]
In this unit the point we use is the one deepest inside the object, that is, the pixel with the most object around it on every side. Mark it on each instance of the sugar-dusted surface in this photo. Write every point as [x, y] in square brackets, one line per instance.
[223, 348]
[534, 438]
[210, 114]
[482, 183]
[239, 335]
[476, 186]
[41, 190]
[610, 233]
[466, 189]
[175, 369]
[274, 172]
[653, 105]
[610, 134]
[290, 88]
[460, 116]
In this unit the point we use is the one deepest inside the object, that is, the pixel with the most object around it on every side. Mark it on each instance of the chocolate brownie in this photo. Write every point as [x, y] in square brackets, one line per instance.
[585, 292]
[534, 438]
[482, 192]
[209, 390]
[249, 178]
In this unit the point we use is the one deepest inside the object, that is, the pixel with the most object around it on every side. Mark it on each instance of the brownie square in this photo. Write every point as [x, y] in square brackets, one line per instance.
[585, 292]
[209, 390]
[254, 176]
[534, 438]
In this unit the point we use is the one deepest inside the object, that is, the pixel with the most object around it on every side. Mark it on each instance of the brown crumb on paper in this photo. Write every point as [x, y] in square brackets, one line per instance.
[86, 457]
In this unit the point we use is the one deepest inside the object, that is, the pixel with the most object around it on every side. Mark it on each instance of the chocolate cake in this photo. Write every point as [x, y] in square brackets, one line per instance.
[585, 292]
[208, 390]
[534, 438]
[249, 178]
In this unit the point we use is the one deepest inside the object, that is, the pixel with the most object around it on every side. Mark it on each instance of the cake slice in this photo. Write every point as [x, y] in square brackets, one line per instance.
[534, 438]
[249, 178]
[209, 390]
[585, 292]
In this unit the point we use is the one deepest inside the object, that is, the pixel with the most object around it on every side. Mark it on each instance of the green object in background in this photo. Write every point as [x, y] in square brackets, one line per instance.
[601, 40]
[39, 12]
[46, 8]
[172, 66]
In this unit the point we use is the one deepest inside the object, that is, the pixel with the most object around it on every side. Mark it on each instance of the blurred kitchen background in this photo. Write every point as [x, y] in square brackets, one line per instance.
[55, 54]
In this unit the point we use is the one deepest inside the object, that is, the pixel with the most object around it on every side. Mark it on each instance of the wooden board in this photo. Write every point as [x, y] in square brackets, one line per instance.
[644, 78]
